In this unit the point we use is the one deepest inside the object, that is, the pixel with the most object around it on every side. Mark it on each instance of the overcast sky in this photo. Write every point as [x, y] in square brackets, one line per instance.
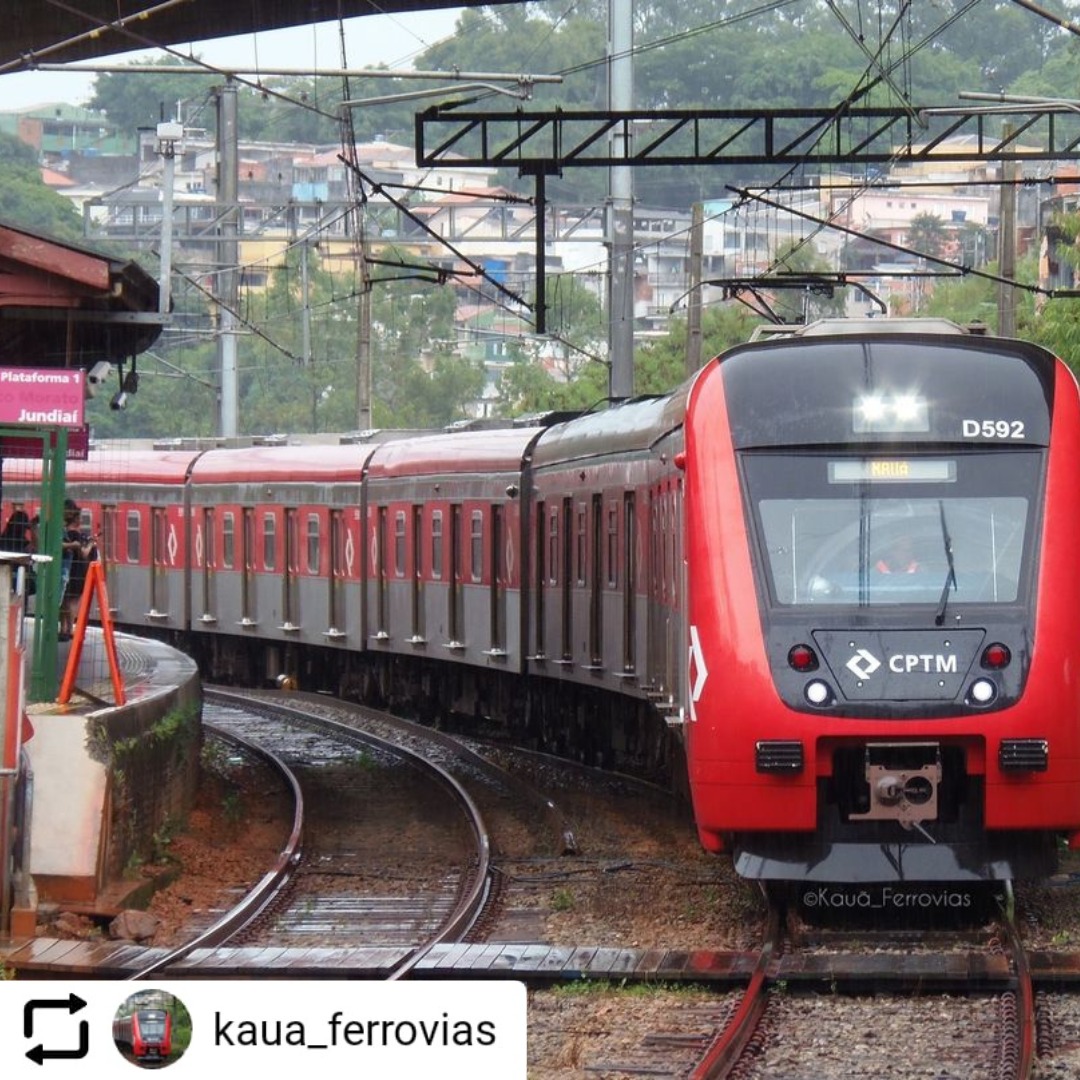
[389, 40]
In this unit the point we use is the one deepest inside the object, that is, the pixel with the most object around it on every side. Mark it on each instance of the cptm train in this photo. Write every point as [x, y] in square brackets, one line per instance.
[146, 1034]
[692, 585]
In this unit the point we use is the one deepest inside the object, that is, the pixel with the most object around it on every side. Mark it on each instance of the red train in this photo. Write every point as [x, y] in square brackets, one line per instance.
[146, 1034]
[829, 583]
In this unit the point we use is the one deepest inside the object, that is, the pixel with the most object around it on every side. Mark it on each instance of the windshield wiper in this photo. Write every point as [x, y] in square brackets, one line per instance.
[950, 577]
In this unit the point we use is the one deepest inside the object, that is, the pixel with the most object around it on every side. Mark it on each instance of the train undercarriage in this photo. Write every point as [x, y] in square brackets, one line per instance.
[586, 725]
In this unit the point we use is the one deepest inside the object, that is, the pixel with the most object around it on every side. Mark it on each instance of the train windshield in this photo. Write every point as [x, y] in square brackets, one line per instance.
[152, 1025]
[853, 530]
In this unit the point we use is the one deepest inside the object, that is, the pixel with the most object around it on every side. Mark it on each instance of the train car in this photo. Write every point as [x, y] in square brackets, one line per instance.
[277, 558]
[146, 1034]
[827, 586]
[134, 501]
[608, 585]
[858, 714]
[444, 517]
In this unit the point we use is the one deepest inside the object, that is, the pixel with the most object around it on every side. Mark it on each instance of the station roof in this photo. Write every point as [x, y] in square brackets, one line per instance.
[67, 306]
[58, 33]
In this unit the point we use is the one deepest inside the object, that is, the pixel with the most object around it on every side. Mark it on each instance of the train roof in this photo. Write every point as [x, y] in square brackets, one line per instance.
[281, 464]
[495, 451]
[122, 467]
[628, 426]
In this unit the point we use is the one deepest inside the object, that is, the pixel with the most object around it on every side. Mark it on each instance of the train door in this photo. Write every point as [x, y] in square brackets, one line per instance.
[629, 592]
[567, 572]
[539, 594]
[381, 628]
[595, 583]
[290, 578]
[678, 648]
[247, 568]
[498, 582]
[335, 604]
[264, 583]
[159, 563]
[110, 536]
[657, 609]
[417, 575]
[454, 615]
[208, 529]
[136, 597]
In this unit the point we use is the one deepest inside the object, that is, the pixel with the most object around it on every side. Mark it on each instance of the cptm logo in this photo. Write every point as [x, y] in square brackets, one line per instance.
[863, 664]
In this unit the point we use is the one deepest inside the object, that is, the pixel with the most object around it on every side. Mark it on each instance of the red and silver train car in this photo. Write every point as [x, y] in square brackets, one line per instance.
[832, 572]
[146, 1034]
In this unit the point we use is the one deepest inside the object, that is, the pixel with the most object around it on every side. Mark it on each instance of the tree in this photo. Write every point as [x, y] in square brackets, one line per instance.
[26, 202]
[927, 234]
[142, 99]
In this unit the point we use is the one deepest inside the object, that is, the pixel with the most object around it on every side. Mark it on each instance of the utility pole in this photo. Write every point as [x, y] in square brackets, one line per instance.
[363, 333]
[168, 136]
[226, 283]
[621, 205]
[305, 324]
[1007, 246]
[693, 310]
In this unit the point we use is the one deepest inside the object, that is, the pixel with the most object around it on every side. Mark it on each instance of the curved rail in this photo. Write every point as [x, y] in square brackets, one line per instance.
[470, 904]
[268, 887]
[727, 1048]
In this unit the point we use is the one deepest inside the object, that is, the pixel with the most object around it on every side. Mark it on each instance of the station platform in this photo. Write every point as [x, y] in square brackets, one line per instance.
[71, 813]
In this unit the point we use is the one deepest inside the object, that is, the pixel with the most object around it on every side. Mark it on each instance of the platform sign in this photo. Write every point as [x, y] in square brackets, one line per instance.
[43, 397]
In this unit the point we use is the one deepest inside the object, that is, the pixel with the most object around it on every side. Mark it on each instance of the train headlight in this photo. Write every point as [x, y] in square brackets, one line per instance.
[890, 413]
[818, 693]
[982, 692]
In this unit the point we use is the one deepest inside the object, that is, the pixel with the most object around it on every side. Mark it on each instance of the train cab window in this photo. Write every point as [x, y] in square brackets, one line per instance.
[312, 543]
[228, 540]
[953, 531]
[269, 541]
[436, 544]
[133, 531]
[399, 543]
[476, 546]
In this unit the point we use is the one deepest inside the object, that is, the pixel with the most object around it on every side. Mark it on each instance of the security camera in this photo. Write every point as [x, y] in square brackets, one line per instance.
[97, 375]
[119, 400]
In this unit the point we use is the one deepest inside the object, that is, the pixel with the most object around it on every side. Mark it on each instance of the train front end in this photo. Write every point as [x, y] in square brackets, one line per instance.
[881, 606]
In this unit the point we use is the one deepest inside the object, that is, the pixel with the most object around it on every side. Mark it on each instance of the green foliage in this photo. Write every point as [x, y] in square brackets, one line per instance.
[142, 99]
[927, 233]
[562, 900]
[690, 54]
[26, 202]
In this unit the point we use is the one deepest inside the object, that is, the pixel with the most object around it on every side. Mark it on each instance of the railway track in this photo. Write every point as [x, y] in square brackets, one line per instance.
[831, 1005]
[337, 879]
[987, 1028]
[812, 996]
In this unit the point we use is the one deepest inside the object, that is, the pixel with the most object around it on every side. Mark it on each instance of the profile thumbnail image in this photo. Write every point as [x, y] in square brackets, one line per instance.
[152, 1028]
